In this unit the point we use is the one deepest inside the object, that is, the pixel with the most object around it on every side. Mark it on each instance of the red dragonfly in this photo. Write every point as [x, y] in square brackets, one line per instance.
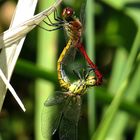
[74, 29]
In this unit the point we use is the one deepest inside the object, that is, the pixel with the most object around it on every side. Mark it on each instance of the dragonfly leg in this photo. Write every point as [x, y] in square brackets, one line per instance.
[56, 17]
[88, 72]
[59, 22]
[77, 73]
[50, 29]
[84, 73]
[57, 25]
[51, 23]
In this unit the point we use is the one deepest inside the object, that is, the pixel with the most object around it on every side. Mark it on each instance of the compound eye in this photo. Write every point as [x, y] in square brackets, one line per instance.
[91, 81]
[67, 12]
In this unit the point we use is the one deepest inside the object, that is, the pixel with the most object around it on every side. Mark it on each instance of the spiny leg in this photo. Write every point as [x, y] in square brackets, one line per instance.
[88, 72]
[77, 73]
[50, 29]
[60, 23]
[84, 73]
[56, 17]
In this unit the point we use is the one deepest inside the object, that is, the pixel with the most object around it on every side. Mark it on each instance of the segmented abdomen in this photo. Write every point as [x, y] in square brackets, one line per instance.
[62, 78]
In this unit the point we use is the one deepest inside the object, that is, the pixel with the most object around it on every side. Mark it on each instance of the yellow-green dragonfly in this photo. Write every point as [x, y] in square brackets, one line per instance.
[68, 101]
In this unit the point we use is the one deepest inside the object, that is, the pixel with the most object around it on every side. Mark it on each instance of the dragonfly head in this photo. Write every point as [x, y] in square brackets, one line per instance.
[90, 81]
[68, 14]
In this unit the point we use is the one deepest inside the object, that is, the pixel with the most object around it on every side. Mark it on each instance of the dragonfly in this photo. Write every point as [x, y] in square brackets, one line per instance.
[74, 30]
[69, 100]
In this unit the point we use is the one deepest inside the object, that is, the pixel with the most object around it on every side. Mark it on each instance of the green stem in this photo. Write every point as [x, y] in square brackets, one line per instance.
[29, 69]
[90, 44]
[113, 108]
[46, 58]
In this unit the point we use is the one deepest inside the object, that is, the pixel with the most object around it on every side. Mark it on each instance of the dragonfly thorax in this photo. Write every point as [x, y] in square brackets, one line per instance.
[73, 29]
[79, 87]
[72, 26]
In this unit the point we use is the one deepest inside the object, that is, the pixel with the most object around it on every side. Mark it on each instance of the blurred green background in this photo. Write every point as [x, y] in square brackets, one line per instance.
[112, 39]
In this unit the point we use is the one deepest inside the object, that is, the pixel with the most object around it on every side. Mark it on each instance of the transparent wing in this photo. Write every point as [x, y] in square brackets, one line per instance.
[70, 55]
[73, 60]
[51, 114]
[58, 98]
[70, 118]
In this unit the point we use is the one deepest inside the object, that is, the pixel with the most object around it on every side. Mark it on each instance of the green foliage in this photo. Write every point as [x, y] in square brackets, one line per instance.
[114, 40]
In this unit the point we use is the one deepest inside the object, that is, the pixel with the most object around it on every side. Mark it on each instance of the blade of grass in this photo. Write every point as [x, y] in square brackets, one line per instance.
[120, 122]
[26, 68]
[22, 23]
[11, 89]
[120, 119]
[137, 135]
[103, 128]
[90, 44]
[118, 67]
[113, 108]
[17, 32]
[9, 56]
